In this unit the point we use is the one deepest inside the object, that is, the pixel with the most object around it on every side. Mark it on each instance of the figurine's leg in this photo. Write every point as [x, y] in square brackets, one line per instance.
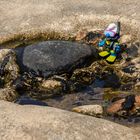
[112, 57]
[104, 53]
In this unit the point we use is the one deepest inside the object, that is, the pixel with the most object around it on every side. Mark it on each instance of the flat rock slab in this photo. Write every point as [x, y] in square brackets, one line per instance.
[54, 57]
[47, 123]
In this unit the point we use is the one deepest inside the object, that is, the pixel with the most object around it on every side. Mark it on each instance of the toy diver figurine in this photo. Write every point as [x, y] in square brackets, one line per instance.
[110, 43]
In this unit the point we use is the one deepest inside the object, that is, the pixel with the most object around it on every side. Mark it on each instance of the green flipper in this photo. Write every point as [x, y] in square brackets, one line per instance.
[104, 53]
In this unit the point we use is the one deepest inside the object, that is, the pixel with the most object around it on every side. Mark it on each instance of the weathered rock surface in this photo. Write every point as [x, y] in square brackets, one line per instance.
[55, 57]
[93, 110]
[8, 94]
[41, 123]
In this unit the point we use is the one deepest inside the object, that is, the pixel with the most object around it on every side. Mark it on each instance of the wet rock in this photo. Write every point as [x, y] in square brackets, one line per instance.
[8, 94]
[24, 100]
[83, 76]
[92, 110]
[54, 57]
[112, 95]
[9, 69]
[51, 84]
[128, 106]
[129, 69]
[111, 80]
[87, 75]
[47, 89]
[115, 107]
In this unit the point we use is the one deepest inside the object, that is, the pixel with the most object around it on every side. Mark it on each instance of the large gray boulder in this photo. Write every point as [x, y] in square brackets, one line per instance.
[55, 57]
[46, 123]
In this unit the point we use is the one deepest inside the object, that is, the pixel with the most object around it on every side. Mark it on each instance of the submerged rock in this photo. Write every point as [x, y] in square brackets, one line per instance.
[83, 76]
[51, 84]
[128, 106]
[24, 100]
[47, 89]
[92, 110]
[54, 57]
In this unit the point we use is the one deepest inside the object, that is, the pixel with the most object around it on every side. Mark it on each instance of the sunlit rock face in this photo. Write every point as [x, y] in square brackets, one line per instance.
[55, 57]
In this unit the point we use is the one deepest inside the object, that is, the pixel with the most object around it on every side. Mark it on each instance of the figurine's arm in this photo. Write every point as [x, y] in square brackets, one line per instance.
[102, 43]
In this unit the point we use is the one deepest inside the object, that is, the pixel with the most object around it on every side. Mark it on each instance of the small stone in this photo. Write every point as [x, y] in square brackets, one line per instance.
[92, 110]
[51, 84]
[8, 94]
[115, 107]
[125, 39]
